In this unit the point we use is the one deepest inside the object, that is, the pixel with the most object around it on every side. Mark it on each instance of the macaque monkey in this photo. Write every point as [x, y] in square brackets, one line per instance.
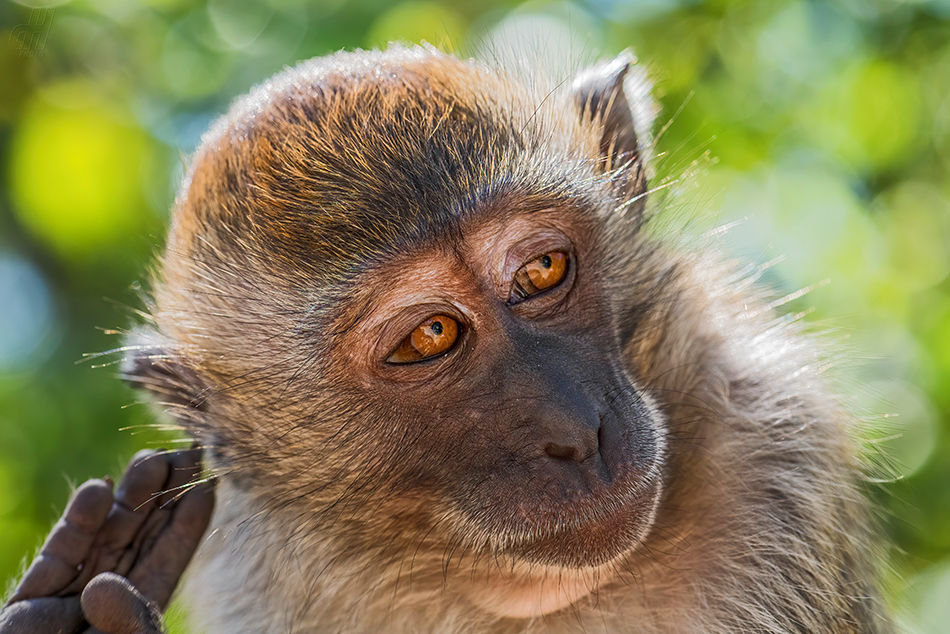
[448, 378]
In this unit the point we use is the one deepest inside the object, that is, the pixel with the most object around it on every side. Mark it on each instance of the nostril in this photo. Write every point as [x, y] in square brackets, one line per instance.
[561, 452]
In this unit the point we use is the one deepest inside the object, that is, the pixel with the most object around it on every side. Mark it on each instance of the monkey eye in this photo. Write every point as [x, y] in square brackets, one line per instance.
[430, 338]
[540, 274]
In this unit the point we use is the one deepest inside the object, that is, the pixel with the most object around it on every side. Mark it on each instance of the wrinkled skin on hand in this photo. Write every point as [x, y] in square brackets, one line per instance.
[112, 561]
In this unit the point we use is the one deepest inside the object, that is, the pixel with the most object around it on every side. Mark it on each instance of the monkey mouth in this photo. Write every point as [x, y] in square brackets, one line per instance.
[558, 560]
[592, 534]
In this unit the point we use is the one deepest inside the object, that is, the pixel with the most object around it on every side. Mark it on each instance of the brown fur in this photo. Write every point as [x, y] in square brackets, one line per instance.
[304, 195]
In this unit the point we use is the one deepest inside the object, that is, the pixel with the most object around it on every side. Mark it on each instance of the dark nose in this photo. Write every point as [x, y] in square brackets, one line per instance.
[549, 379]
[569, 435]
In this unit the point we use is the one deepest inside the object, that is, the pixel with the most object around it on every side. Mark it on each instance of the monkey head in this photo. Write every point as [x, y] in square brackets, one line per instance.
[389, 306]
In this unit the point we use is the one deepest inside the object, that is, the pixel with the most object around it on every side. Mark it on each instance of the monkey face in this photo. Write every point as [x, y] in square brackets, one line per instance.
[499, 357]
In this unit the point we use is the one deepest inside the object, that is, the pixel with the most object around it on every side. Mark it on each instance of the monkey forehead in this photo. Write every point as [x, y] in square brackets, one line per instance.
[346, 157]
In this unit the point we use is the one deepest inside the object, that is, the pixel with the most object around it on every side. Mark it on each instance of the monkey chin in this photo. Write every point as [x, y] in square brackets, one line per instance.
[555, 572]
[532, 591]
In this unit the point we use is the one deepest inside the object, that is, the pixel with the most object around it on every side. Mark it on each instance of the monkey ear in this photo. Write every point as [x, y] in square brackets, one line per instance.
[602, 101]
[151, 365]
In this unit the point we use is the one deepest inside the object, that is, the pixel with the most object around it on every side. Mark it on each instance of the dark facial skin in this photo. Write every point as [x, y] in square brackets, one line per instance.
[113, 559]
[539, 439]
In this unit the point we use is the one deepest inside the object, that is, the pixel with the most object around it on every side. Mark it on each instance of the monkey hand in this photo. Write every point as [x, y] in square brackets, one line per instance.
[112, 561]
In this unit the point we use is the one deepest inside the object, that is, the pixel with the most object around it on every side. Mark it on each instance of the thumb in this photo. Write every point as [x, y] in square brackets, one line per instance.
[113, 606]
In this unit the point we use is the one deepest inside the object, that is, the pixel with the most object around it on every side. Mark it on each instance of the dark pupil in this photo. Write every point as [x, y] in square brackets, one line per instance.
[546, 261]
[436, 327]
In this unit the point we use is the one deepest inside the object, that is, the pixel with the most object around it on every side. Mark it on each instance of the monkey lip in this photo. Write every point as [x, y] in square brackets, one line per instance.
[592, 532]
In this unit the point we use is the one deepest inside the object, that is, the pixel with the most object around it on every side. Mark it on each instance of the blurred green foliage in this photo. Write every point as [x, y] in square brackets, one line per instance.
[823, 127]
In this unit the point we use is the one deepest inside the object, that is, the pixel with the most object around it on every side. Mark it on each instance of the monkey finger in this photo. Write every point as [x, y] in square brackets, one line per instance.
[112, 605]
[68, 543]
[183, 467]
[135, 498]
[157, 572]
[41, 616]
[146, 472]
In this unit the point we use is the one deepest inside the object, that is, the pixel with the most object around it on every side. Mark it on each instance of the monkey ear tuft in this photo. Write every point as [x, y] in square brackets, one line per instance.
[151, 365]
[601, 96]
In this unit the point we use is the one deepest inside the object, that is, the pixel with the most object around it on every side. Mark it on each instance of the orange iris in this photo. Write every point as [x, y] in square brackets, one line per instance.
[540, 274]
[430, 338]
[547, 270]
